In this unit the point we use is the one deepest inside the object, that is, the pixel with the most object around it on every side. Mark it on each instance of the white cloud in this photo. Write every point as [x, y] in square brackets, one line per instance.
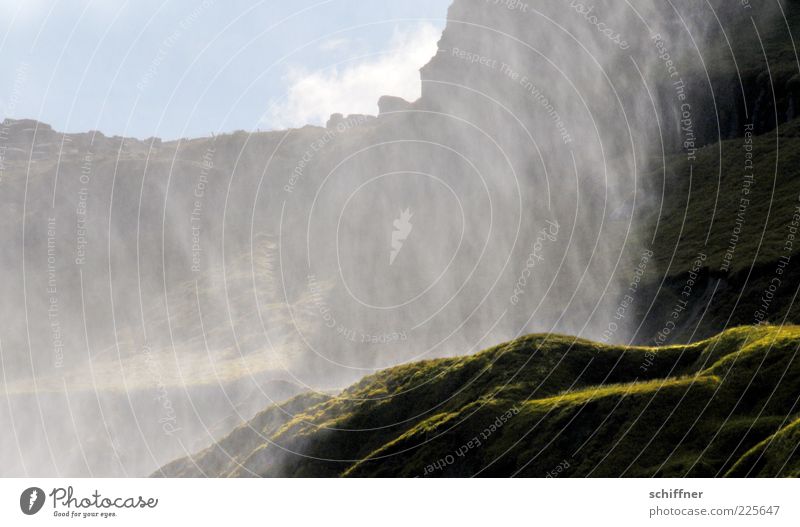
[334, 44]
[311, 97]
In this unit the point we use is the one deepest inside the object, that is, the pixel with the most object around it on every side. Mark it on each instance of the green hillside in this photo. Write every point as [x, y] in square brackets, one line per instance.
[777, 454]
[701, 212]
[537, 406]
[746, 227]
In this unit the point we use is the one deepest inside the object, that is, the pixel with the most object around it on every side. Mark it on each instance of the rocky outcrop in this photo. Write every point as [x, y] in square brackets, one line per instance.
[390, 104]
[730, 73]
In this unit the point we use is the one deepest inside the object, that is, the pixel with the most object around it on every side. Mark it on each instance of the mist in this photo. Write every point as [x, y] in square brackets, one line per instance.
[159, 293]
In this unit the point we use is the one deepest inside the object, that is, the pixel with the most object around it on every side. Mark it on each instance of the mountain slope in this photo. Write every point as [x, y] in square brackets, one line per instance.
[778, 454]
[537, 406]
[744, 222]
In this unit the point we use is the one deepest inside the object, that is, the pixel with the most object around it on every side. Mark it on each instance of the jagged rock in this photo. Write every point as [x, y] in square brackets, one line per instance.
[389, 104]
[335, 119]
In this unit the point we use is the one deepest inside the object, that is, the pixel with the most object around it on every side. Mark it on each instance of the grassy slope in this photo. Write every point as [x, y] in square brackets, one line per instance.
[777, 454]
[707, 206]
[701, 216]
[708, 408]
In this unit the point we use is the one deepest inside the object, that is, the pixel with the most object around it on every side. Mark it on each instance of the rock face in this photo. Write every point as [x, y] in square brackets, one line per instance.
[564, 118]
[731, 75]
[678, 86]
[335, 120]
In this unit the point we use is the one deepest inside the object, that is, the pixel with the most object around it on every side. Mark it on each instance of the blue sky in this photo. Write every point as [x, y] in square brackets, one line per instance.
[185, 68]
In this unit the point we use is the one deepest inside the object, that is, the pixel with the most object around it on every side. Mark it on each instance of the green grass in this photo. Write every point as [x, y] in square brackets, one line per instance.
[777, 455]
[705, 409]
[700, 214]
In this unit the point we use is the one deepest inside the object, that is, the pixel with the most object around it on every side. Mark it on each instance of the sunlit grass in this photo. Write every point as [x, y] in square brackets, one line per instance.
[701, 409]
